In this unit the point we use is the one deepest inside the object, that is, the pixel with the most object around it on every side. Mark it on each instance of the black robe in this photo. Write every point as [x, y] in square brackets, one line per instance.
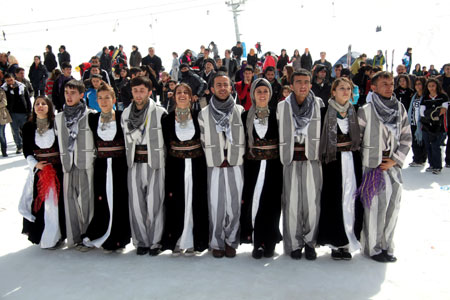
[120, 228]
[35, 229]
[267, 222]
[331, 222]
[174, 202]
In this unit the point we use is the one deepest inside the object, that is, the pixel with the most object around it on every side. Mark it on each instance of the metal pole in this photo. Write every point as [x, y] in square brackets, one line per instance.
[234, 9]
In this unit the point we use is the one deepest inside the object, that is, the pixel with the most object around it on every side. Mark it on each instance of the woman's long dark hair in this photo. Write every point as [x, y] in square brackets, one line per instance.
[439, 91]
[50, 114]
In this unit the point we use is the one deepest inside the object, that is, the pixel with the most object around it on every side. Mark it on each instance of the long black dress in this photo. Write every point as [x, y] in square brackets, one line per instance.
[331, 223]
[35, 229]
[120, 233]
[266, 229]
[174, 202]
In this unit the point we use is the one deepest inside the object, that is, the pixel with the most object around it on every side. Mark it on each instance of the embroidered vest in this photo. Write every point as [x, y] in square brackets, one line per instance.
[286, 130]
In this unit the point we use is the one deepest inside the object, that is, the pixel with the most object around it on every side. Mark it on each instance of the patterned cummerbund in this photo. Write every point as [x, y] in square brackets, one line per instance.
[50, 155]
[299, 152]
[186, 149]
[140, 154]
[344, 142]
[263, 149]
[106, 149]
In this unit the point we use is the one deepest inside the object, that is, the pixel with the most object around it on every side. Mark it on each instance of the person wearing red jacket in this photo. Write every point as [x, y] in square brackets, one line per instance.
[243, 88]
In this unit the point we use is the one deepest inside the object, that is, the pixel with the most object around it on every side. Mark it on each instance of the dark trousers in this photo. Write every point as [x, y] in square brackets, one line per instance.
[419, 151]
[433, 146]
[447, 151]
[3, 137]
[18, 120]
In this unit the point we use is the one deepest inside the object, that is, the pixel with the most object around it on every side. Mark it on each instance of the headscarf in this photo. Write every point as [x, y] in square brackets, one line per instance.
[72, 115]
[221, 113]
[328, 141]
[252, 111]
[301, 113]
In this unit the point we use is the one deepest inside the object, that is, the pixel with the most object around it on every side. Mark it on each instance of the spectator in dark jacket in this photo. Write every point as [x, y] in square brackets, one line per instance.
[38, 76]
[125, 92]
[326, 63]
[237, 52]
[208, 74]
[63, 55]
[252, 58]
[135, 57]
[321, 86]
[49, 59]
[283, 60]
[269, 74]
[58, 87]
[153, 61]
[195, 82]
[95, 63]
[230, 64]
[20, 76]
[105, 60]
[19, 107]
[306, 60]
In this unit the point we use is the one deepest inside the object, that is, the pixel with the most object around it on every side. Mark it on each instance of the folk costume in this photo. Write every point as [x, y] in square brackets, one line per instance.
[42, 204]
[110, 225]
[340, 221]
[77, 152]
[385, 133]
[223, 140]
[263, 178]
[186, 204]
[299, 131]
[145, 153]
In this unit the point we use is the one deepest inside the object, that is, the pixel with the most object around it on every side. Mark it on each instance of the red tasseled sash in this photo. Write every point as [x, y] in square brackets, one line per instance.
[47, 181]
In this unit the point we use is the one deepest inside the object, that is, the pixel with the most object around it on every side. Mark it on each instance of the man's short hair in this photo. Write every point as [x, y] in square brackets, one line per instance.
[446, 65]
[107, 88]
[338, 66]
[96, 76]
[269, 69]
[135, 70]
[8, 75]
[300, 72]
[19, 70]
[380, 75]
[76, 85]
[172, 81]
[249, 68]
[94, 57]
[141, 80]
[220, 74]
[65, 65]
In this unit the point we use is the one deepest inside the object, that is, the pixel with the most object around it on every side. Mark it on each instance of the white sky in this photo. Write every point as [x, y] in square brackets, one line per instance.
[175, 25]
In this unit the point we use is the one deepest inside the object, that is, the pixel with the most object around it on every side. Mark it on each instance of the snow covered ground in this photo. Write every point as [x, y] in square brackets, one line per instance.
[421, 272]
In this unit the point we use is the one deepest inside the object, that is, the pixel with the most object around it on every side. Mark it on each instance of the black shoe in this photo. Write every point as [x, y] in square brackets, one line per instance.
[345, 254]
[297, 254]
[154, 252]
[446, 165]
[142, 250]
[336, 254]
[19, 150]
[257, 253]
[379, 258]
[269, 251]
[4, 154]
[310, 253]
[389, 258]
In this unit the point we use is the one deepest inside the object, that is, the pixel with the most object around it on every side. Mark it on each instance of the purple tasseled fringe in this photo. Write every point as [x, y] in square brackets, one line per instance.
[372, 184]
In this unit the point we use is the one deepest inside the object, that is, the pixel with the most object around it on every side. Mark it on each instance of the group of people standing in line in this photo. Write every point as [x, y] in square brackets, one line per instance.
[220, 176]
